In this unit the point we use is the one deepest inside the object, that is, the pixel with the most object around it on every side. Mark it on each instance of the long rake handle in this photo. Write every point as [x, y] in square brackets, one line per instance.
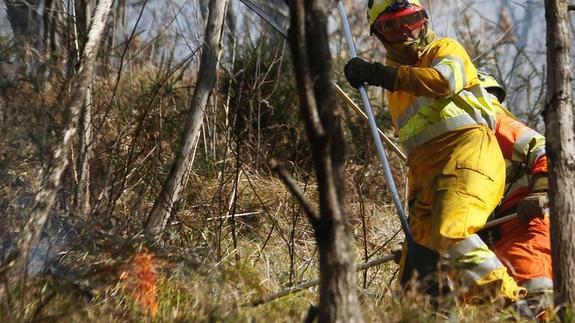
[373, 127]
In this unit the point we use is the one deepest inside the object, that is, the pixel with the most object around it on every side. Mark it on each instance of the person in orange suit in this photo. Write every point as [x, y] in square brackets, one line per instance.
[522, 244]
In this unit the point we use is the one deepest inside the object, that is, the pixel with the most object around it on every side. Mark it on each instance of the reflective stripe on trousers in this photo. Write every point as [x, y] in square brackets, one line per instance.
[540, 284]
[474, 257]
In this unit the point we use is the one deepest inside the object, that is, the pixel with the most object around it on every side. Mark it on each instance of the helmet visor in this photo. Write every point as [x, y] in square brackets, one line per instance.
[398, 29]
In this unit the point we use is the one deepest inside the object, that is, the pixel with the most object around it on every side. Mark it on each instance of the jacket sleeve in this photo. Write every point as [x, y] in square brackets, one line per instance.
[421, 81]
[521, 144]
[450, 71]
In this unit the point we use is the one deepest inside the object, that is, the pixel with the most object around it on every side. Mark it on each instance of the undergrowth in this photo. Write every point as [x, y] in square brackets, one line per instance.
[236, 236]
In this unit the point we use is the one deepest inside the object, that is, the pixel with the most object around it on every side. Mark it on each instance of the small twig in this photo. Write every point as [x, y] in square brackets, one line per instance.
[293, 187]
[364, 227]
[229, 215]
[389, 283]
[495, 44]
[388, 241]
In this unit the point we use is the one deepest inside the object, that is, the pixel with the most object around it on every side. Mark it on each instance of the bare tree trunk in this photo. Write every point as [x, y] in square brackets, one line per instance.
[560, 132]
[178, 176]
[30, 234]
[338, 301]
[82, 191]
[82, 194]
[26, 21]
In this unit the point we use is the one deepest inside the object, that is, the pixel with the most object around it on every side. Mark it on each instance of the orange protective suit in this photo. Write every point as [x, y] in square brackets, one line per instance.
[524, 248]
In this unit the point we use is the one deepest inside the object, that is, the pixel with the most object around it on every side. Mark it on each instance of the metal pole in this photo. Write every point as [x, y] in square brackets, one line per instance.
[373, 127]
[495, 222]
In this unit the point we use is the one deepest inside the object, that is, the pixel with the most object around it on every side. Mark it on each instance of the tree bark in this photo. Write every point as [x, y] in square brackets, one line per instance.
[30, 234]
[560, 133]
[82, 195]
[338, 301]
[206, 80]
[82, 191]
[26, 21]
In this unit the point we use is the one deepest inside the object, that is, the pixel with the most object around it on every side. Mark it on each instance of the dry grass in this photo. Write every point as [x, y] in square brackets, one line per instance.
[211, 266]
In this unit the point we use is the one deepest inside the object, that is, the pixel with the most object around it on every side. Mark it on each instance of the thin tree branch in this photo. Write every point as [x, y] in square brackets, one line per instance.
[293, 187]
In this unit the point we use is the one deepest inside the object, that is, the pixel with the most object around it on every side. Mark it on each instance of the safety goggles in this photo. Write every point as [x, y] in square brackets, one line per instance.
[398, 29]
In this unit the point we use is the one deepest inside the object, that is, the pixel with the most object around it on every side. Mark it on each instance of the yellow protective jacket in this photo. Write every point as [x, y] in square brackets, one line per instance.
[441, 93]
[457, 172]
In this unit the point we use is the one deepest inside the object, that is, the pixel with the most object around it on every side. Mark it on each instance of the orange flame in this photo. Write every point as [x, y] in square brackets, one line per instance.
[141, 281]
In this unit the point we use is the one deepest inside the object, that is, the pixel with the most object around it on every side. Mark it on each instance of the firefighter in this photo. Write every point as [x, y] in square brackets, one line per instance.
[523, 244]
[444, 119]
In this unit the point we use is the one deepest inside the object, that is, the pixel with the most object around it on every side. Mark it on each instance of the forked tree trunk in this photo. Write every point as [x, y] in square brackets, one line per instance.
[560, 132]
[30, 234]
[338, 301]
[206, 80]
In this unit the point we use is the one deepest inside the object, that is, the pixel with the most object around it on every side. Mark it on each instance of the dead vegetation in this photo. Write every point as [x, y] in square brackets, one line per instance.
[235, 236]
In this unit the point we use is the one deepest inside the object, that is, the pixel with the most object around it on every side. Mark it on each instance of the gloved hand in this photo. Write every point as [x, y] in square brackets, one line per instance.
[532, 206]
[357, 71]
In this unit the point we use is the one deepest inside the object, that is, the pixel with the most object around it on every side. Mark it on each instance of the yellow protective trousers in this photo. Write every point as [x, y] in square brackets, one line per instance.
[455, 182]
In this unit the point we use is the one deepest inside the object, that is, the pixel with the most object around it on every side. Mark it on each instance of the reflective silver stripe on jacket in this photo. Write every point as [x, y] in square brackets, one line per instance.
[477, 98]
[438, 129]
[539, 284]
[465, 252]
[420, 103]
[453, 70]
[522, 144]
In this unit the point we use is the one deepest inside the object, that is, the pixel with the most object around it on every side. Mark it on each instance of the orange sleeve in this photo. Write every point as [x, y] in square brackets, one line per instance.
[540, 166]
[507, 130]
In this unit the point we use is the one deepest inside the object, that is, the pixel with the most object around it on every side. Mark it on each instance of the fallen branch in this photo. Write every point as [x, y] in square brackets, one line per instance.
[229, 215]
[311, 283]
[369, 264]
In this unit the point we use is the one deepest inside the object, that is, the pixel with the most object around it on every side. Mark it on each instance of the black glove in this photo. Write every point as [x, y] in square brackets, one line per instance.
[532, 206]
[357, 71]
